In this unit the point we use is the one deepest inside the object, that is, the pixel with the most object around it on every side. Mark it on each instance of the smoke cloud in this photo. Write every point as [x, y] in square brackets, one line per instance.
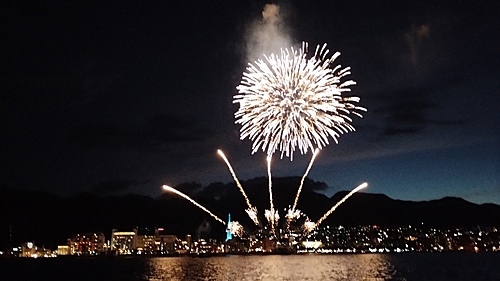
[267, 35]
[415, 38]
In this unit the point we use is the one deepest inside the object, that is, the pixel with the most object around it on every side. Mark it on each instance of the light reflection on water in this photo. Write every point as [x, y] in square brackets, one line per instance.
[274, 267]
[451, 266]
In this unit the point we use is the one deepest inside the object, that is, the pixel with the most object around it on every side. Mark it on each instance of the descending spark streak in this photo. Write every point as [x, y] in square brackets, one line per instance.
[251, 211]
[361, 186]
[303, 178]
[171, 189]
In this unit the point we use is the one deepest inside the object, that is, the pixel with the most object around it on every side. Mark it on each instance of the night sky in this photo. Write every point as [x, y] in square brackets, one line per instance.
[117, 97]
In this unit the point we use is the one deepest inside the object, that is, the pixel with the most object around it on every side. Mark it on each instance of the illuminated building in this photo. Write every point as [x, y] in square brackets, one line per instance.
[207, 247]
[156, 243]
[184, 246]
[312, 245]
[87, 244]
[123, 242]
[63, 250]
[28, 250]
[147, 243]
[166, 244]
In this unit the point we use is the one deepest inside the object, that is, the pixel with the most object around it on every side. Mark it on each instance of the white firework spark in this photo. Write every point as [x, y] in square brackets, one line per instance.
[252, 213]
[291, 101]
[236, 228]
[308, 226]
[272, 217]
[293, 214]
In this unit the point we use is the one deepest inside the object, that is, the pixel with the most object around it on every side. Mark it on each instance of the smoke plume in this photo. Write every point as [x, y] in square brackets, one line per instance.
[267, 35]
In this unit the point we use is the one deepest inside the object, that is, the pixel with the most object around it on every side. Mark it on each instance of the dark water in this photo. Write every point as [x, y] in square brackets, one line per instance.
[407, 266]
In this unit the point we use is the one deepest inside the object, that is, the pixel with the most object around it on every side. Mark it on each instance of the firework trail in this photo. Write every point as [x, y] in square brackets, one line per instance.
[290, 101]
[171, 189]
[251, 211]
[312, 227]
[271, 216]
[303, 178]
[292, 213]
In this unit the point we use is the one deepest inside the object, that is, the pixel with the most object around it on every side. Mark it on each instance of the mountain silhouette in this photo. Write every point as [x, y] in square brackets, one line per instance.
[50, 220]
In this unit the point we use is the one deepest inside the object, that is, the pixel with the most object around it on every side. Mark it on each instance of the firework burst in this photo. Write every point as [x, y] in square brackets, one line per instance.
[291, 101]
[293, 214]
[236, 228]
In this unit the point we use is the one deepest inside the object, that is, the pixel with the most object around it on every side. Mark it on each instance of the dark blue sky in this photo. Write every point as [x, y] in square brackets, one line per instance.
[121, 97]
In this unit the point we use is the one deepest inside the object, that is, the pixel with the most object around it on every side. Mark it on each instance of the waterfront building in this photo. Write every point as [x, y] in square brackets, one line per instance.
[156, 243]
[87, 244]
[145, 242]
[28, 250]
[63, 250]
[123, 242]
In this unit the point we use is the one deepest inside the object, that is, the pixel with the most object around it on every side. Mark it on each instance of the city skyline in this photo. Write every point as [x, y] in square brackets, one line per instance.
[340, 239]
[49, 219]
[118, 98]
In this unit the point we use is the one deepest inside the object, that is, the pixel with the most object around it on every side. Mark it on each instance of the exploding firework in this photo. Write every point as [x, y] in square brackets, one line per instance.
[171, 189]
[236, 228]
[293, 214]
[292, 101]
[308, 226]
[272, 217]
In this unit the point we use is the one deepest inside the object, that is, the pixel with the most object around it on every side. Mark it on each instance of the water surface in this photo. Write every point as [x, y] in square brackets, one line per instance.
[404, 266]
